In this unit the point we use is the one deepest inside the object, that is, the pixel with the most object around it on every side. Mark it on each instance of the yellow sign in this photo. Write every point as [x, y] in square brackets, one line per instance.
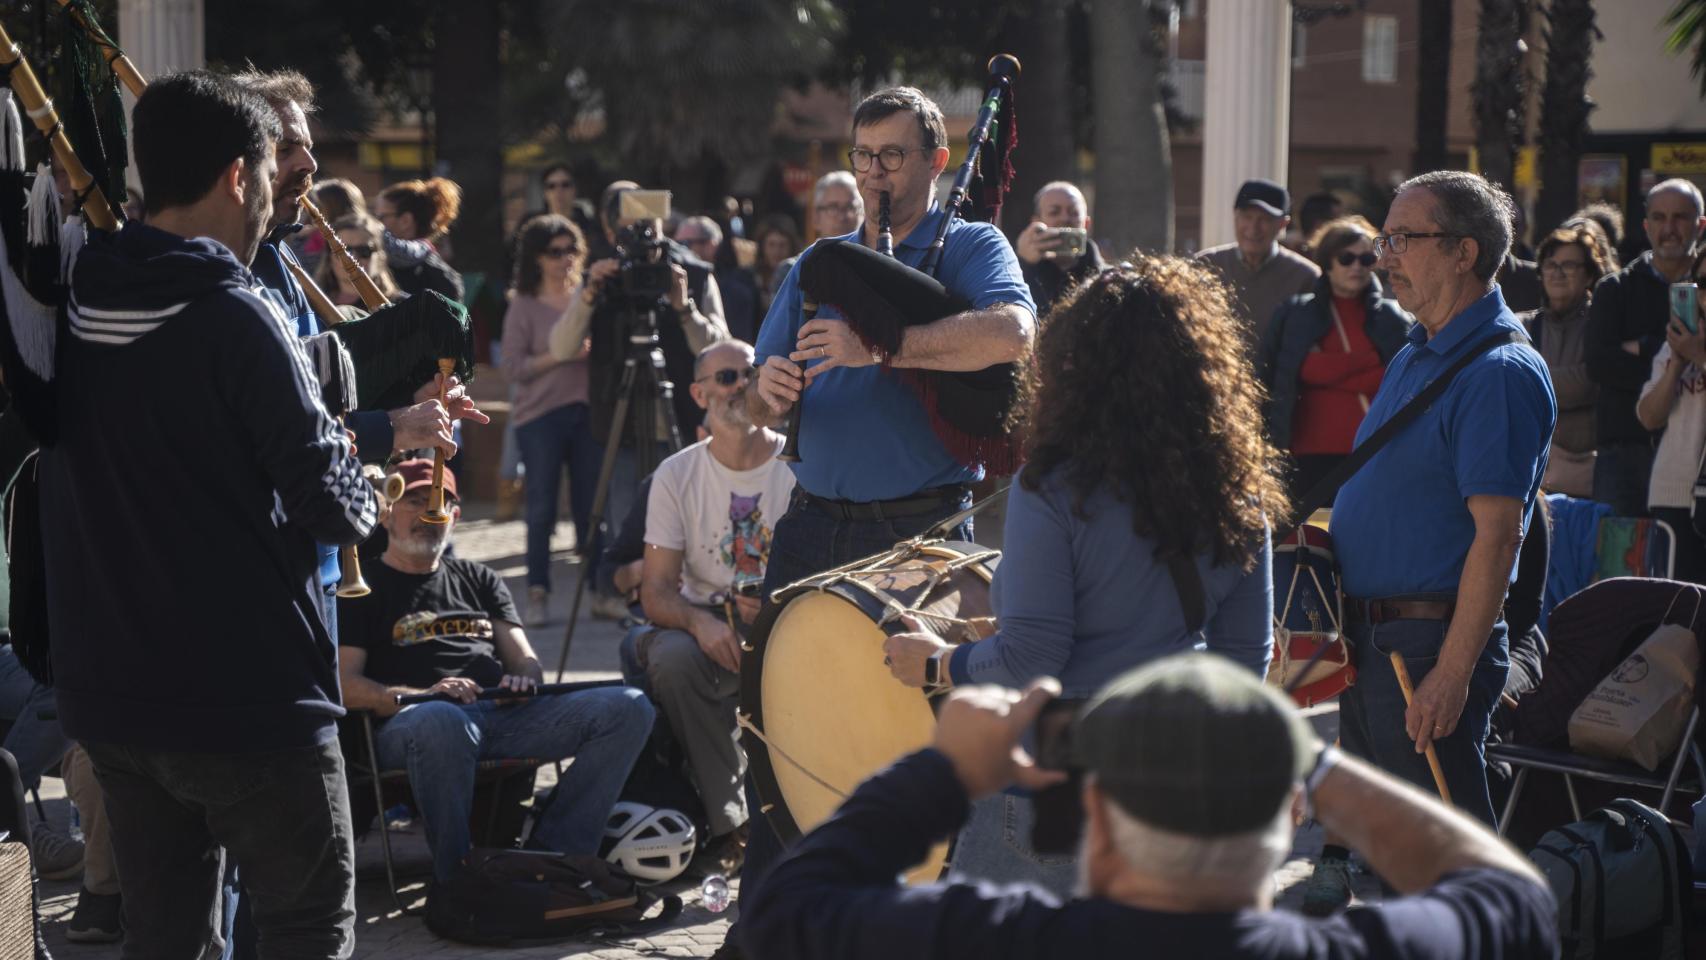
[1674, 158]
[378, 155]
[1526, 175]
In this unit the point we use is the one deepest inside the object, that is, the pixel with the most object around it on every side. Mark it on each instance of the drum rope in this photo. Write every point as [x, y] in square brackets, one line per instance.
[745, 723]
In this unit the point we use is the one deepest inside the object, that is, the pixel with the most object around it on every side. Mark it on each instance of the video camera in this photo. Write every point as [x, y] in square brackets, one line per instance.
[644, 276]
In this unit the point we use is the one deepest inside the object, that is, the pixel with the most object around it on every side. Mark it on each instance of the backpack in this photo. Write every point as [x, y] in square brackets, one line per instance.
[1623, 881]
[510, 897]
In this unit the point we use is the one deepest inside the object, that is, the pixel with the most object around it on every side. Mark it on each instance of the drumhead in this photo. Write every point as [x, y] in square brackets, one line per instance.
[815, 684]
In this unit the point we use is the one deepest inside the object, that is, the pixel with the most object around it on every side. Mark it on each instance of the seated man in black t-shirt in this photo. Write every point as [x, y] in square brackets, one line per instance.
[1192, 769]
[443, 625]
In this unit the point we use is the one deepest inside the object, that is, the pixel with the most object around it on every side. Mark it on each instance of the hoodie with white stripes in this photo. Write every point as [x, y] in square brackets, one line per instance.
[195, 471]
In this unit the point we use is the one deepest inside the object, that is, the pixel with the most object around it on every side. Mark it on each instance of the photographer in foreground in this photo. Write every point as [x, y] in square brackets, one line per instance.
[1181, 839]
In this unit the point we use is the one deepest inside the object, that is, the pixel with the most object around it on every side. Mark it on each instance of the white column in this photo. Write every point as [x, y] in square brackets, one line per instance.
[163, 36]
[1246, 105]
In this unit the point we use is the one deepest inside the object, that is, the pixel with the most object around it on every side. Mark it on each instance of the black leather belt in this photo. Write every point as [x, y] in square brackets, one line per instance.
[928, 501]
[1375, 612]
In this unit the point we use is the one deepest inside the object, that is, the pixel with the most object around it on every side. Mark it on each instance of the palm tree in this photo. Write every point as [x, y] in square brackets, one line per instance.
[1687, 21]
[1134, 165]
[1564, 105]
[686, 85]
[1500, 81]
[1433, 83]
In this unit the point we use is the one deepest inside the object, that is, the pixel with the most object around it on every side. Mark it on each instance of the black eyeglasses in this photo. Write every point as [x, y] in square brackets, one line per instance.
[1386, 243]
[1562, 268]
[557, 253]
[361, 252]
[559, 184]
[890, 157]
[1346, 258]
[728, 378]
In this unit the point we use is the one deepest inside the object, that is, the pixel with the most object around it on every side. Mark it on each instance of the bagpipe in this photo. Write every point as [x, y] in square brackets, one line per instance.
[974, 413]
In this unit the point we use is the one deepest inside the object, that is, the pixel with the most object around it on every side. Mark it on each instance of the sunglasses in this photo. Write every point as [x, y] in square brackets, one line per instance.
[559, 184]
[361, 251]
[728, 378]
[1347, 258]
[558, 253]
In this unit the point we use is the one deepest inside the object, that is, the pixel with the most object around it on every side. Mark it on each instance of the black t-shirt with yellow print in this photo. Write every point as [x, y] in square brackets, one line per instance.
[418, 629]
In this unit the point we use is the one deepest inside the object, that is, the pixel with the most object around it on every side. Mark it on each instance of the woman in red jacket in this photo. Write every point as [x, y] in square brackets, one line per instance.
[1325, 351]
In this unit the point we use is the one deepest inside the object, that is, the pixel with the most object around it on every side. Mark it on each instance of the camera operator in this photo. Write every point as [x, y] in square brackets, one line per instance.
[1182, 835]
[652, 279]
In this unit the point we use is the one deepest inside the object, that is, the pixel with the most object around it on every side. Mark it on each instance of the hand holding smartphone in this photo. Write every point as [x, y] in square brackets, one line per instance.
[1685, 304]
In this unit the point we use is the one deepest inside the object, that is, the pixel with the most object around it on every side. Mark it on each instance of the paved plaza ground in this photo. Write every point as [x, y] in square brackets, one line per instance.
[383, 932]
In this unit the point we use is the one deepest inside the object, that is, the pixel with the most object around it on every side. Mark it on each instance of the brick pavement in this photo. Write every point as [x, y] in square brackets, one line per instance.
[382, 932]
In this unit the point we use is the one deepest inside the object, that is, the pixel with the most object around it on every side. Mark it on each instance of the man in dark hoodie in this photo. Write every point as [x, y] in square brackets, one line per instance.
[190, 654]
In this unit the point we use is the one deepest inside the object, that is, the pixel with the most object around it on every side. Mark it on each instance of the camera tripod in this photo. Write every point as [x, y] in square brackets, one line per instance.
[644, 390]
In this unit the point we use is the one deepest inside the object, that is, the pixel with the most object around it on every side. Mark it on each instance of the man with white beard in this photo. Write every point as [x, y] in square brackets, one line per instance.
[708, 523]
[438, 624]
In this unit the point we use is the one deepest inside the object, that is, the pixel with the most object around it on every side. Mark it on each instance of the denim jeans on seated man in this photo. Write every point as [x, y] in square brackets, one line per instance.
[1371, 712]
[284, 815]
[37, 743]
[440, 743]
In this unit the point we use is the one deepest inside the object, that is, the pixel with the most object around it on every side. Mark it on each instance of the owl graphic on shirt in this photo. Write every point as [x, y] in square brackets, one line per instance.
[746, 546]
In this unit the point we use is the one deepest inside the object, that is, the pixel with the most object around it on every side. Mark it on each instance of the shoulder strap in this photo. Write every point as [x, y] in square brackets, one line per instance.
[1188, 582]
[1324, 489]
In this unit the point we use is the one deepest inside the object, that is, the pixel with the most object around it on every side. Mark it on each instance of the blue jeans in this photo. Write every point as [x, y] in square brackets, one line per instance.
[995, 845]
[557, 438]
[1621, 474]
[36, 743]
[1371, 712]
[283, 814]
[808, 541]
[439, 744]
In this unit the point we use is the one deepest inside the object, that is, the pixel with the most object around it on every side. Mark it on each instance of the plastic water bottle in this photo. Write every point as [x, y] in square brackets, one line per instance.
[715, 893]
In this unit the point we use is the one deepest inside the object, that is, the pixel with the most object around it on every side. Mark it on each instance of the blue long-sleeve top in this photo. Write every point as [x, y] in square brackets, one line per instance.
[835, 898]
[1082, 598]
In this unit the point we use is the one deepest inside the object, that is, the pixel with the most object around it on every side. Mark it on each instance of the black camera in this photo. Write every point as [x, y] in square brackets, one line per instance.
[643, 275]
[1059, 809]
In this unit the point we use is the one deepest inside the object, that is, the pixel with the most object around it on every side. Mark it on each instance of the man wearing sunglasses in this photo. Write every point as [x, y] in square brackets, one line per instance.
[709, 519]
[1263, 275]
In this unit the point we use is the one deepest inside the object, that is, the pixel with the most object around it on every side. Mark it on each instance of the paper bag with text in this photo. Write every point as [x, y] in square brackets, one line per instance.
[1638, 712]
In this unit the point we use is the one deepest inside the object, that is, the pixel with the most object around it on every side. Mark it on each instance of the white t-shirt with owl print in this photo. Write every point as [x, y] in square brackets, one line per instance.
[720, 519]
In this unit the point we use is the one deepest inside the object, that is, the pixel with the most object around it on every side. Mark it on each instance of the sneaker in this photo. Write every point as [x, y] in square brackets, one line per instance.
[538, 606]
[56, 856]
[723, 855]
[608, 607]
[96, 919]
[1329, 888]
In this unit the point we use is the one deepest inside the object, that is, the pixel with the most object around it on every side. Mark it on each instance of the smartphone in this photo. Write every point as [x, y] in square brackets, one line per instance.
[644, 205]
[1075, 241]
[1059, 809]
[1685, 303]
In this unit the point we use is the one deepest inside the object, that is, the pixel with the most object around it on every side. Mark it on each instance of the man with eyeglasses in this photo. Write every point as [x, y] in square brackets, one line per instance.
[709, 522]
[872, 470]
[704, 239]
[1262, 273]
[837, 210]
[1626, 328]
[1427, 533]
[1054, 249]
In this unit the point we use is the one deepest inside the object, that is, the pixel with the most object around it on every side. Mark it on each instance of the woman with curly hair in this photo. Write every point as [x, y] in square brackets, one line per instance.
[422, 210]
[1146, 448]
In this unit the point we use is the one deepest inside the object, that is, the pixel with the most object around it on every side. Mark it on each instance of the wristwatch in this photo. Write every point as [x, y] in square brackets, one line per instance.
[687, 309]
[1325, 761]
[936, 669]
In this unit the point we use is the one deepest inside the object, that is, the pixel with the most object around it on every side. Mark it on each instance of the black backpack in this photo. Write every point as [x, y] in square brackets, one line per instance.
[1623, 882]
[513, 897]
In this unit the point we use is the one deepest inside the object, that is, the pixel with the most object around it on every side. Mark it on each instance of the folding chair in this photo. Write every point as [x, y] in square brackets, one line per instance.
[362, 768]
[1667, 779]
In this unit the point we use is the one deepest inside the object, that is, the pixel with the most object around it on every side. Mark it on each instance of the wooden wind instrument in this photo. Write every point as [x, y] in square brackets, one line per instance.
[350, 582]
[40, 111]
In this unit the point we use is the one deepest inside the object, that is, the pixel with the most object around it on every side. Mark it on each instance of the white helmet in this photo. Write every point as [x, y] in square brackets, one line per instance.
[650, 844]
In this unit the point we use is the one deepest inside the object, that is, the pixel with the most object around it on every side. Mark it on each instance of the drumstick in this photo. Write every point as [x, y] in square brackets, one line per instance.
[435, 497]
[1403, 673]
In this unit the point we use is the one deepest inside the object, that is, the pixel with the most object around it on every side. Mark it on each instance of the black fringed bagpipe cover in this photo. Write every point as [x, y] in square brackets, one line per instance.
[396, 348]
[973, 414]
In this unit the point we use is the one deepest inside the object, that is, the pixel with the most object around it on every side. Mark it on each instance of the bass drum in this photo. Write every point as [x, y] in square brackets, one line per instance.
[820, 711]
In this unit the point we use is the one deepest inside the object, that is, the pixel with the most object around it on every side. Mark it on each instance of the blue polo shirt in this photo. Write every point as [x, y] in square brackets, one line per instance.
[863, 433]
[1401, 525]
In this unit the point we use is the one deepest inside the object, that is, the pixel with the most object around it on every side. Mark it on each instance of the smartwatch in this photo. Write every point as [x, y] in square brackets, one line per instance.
[936, 668]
